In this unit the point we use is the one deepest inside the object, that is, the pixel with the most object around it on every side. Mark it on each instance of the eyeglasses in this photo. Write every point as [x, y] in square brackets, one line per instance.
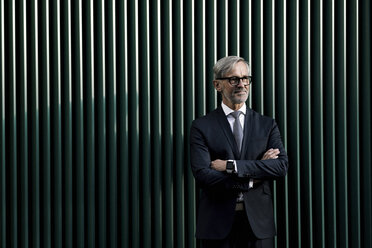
[234, 81]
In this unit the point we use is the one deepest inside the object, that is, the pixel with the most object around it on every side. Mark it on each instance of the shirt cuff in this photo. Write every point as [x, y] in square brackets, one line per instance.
[251, 183]
[250, 180]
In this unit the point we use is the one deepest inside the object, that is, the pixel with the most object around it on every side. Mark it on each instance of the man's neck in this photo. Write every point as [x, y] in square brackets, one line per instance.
[233, 106]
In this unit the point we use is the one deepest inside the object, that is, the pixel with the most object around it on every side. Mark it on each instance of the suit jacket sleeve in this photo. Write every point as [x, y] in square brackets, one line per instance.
[266, 169]
[204, 175]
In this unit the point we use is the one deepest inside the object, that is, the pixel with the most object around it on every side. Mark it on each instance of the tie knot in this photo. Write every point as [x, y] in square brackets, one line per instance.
[236, 114]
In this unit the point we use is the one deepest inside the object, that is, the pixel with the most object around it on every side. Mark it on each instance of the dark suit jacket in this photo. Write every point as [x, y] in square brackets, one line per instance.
[211, 138]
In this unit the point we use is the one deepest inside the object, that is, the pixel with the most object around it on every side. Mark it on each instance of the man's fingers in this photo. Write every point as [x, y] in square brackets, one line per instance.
[271, 154]
[273, 151]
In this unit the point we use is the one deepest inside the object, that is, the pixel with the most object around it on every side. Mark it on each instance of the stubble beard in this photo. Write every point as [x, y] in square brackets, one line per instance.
[236, 99]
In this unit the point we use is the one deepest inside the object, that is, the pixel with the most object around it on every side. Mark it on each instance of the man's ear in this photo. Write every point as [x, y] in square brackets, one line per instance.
[217, 85]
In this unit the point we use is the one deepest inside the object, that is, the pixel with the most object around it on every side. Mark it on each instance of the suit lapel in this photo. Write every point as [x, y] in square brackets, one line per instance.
[224, 123]
[247, 132]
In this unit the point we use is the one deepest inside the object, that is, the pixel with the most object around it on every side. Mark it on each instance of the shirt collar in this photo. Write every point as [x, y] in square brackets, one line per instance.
[228, 110]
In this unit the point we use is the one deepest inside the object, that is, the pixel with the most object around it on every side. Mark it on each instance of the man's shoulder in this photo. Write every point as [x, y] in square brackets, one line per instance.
[260, 119]
[257, 115]
[208, 118]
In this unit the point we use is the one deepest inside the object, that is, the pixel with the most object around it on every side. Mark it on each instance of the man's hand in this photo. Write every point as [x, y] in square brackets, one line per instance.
[219, 165]
[271, 154]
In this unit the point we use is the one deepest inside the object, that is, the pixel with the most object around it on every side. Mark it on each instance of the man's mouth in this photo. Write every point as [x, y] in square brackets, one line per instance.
[240, 92]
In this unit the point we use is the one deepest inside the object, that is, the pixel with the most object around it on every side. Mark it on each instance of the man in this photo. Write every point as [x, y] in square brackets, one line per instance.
[235, 155]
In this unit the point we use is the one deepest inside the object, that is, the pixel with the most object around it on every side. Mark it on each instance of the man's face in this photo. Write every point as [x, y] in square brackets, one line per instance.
[233, 95]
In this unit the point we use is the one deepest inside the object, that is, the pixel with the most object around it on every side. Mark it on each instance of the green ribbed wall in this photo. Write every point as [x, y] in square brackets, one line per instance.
[97, 98]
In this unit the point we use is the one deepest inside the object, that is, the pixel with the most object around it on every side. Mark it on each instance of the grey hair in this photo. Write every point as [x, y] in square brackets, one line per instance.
[226, 64]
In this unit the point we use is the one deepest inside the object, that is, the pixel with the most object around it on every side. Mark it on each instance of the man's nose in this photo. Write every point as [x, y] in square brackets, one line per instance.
[240, 84]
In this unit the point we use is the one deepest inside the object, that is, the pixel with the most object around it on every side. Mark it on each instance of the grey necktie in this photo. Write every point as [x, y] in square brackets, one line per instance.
[238, 134]
[237, 129]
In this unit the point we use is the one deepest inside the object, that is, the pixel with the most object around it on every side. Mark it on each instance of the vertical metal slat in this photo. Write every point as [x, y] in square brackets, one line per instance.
[167, 125]
[353, 130]
[100, 117]
[89, 121]
[305, 127]
[111, 123]
[317, 122]
[365, 121]
[123, 131]
[34, 158]
[156, 122]
[55, 122]
[177, 31]
[189, 79]
[341, 127]
[3, 205]
[133, 101]
[67, 128]
[144, 107]
[329, 126]
[45, 142]
[282, 215]
[22, 112]
[78, 179]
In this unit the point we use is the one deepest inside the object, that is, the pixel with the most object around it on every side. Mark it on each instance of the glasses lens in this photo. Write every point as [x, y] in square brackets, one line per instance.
[234, 81]
[245, 80]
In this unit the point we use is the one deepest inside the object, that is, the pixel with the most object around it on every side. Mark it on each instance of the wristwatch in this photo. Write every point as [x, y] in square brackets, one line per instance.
[230, 166]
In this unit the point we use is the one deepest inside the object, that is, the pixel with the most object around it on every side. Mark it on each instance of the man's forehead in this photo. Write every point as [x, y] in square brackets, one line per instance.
[240, 67]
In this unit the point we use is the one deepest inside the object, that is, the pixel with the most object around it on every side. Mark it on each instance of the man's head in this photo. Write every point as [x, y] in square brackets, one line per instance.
[231, 79]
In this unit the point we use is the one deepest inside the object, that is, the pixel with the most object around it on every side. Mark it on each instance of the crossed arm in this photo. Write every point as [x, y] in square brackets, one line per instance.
[220, 165]
[211, 173]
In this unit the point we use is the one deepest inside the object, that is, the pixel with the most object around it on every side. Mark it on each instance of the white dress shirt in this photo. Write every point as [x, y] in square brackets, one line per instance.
[231, 118]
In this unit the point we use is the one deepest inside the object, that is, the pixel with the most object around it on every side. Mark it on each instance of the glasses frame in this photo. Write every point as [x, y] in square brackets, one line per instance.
[237, 78]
